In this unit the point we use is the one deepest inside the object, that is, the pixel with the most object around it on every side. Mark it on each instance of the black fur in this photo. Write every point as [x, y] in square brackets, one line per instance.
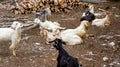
[64, 59]
[44, 13]
[40, 14]
[88, 16]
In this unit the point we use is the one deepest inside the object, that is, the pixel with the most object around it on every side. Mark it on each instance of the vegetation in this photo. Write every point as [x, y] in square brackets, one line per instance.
[1, 0]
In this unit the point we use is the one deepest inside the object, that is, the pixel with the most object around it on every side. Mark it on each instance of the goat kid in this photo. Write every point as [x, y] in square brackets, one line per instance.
[12, 34]
[49, 25]
[102, 22]
[64, 59]
[48, 36]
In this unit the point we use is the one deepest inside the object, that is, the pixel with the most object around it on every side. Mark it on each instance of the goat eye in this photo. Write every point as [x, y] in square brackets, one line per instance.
[56, 42]
[55, 45]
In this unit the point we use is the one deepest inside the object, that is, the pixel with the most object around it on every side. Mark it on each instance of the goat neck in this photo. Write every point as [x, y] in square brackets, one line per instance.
[18, 31]
[16, 26]
[107, 19]
[41, 23]
[18, 34]
[62, 51]
[38, 21]
[80, 30]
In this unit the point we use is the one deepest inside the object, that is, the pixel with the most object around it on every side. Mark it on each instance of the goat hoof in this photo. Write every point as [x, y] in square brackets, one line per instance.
[14, 54]
[91, 35]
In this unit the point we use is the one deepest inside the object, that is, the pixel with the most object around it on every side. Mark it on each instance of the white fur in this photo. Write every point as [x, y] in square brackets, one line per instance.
[49, 25]
[83, 14]
[102, 22]
[12, 34]
[72, 39]
[74, 36]
[51, 36]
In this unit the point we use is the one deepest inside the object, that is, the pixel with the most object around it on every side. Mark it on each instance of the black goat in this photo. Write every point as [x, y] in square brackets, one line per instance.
[88, 16]
[64, 59]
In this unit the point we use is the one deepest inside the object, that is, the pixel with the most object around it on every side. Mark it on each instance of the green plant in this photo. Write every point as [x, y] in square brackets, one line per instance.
[1, 0]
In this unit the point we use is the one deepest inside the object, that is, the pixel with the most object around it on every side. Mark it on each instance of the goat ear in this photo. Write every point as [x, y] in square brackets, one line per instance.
[64, 43]
[51, 41]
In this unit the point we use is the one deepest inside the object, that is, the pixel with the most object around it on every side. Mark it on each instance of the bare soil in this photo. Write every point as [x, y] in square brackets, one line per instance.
[33, 52]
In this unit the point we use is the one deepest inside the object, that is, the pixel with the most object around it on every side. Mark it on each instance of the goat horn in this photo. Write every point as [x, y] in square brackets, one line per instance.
[64, 43]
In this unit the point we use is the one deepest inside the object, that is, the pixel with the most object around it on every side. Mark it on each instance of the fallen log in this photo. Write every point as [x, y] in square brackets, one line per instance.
[29, 27]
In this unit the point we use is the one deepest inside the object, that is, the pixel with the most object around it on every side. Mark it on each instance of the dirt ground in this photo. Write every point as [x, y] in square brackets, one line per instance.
[33, 52]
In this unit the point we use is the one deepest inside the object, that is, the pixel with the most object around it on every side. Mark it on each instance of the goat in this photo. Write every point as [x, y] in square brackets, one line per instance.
[64, 59]
[12, 34]
[74, 36]
[49, 25]
[51, 36]
[87, 15]
[45, 13]
[102, 22]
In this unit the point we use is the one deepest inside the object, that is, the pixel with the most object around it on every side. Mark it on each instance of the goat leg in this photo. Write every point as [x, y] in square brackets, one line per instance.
[12, 47]
[43, 33]
[14, 52]
[85, 36]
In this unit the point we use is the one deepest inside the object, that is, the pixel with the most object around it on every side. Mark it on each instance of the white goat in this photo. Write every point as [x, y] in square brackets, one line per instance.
[51, 36]
[49, 25]
[74, 36]
[102, 22]
[12, 34]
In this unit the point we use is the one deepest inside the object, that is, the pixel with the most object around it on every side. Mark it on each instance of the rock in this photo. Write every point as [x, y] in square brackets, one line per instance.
[103, 44]
[90, 53]
[111, 44]
[105, 37]
[38, 44]
[104, 65]
[117, 15]
[105, 58]
[53, 59]
[2, 6]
